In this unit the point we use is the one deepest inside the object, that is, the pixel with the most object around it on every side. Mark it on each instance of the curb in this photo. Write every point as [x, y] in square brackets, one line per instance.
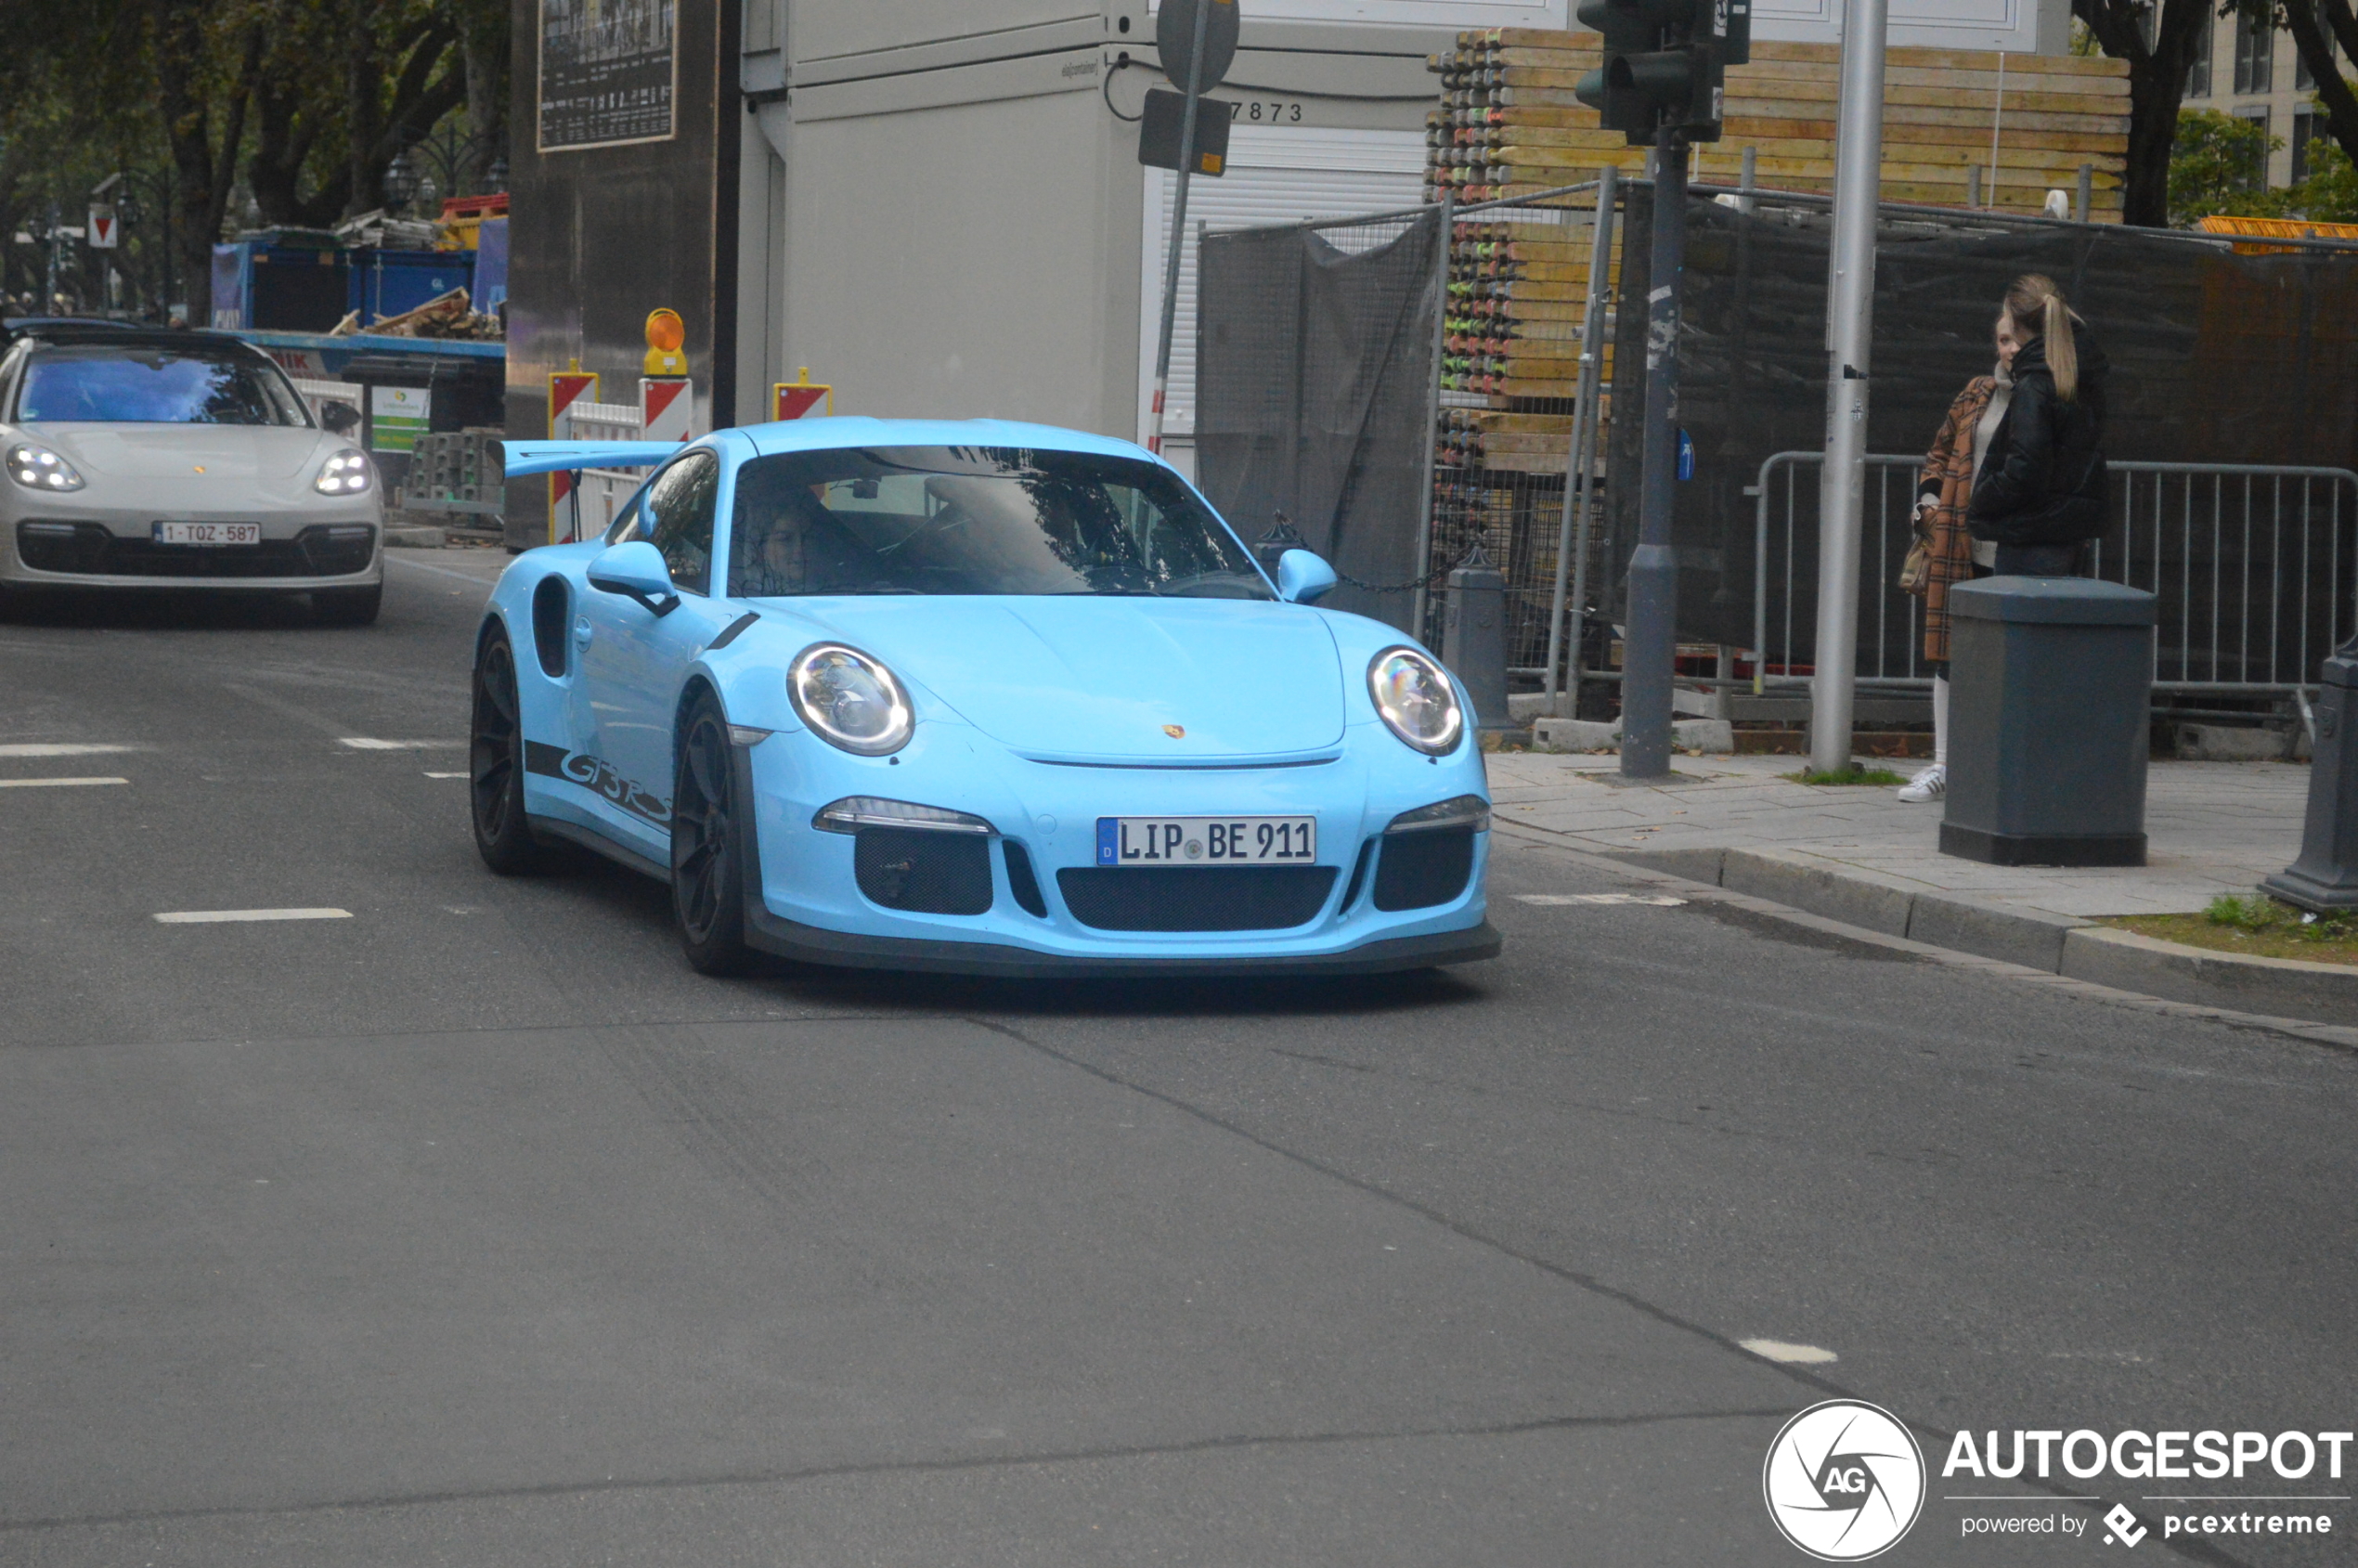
[1746, 906]
[414, 535]
[2263, 992]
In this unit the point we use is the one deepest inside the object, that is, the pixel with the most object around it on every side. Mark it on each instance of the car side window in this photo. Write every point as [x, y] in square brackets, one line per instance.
[679, 515]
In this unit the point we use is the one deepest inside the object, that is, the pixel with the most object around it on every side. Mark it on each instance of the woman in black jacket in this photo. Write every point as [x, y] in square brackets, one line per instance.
[2039, 495]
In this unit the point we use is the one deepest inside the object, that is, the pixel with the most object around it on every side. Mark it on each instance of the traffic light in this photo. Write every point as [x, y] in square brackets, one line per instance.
[1665, 63]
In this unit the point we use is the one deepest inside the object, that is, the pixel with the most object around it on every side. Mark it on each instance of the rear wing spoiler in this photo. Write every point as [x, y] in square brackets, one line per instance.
[557, 457]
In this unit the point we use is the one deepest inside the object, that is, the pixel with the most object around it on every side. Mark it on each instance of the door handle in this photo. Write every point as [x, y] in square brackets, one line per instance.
[581, 632]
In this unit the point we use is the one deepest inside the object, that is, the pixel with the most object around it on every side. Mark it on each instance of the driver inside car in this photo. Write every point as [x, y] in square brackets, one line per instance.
[797, 549]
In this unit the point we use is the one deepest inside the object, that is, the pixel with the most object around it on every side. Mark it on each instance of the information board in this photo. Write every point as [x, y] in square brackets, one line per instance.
[609, 70]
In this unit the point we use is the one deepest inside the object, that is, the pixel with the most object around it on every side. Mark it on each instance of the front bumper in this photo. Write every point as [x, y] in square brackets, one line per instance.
[327, 547]
[805, 900]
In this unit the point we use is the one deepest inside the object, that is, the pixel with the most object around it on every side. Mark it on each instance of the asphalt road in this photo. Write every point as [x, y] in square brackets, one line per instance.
[475, 1228]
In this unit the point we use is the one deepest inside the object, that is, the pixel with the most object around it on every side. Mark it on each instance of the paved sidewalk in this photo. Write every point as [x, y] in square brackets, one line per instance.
[2215, 827]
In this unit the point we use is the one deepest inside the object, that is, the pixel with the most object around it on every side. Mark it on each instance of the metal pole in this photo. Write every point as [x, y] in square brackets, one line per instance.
[1433, 407]
[1850, 299]
[1651, 643]
[1178, 228]
[1584, 414]
[1598, 390]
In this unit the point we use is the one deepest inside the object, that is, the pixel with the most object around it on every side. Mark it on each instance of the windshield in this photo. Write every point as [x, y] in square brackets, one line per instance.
[978, 520]
[104, 384]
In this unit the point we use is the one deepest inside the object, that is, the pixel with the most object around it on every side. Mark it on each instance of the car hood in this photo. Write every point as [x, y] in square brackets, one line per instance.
[176, 452]
[1086, 676]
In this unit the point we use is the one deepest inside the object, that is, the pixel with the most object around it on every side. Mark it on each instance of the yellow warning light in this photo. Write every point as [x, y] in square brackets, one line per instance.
[666, 333]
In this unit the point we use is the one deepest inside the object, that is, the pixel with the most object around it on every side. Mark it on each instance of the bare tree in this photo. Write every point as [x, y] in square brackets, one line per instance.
[2159, 52]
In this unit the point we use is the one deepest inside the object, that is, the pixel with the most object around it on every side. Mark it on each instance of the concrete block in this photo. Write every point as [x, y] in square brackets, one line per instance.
[411, 536]
[1716, 735]
[1524, 706]
[1575, 734]
[1588, 734]
[1991, 930]
[2232, 742]
[1855, 897]
[1695, 866]
[2282, 988]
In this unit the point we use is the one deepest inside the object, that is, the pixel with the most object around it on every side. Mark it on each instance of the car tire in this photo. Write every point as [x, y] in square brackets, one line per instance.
[347, 607]
[495, 768]
[707, 871]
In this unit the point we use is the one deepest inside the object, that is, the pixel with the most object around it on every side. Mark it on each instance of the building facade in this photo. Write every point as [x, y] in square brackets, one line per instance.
[2251, 70]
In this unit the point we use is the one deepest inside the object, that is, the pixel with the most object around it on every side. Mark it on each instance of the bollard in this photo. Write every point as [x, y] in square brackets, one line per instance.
[2050, 681]
[1474, 636]
[2324, 879]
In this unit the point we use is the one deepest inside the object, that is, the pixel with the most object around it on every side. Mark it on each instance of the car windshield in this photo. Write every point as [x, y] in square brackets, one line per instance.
[131, 385]
[978, 520]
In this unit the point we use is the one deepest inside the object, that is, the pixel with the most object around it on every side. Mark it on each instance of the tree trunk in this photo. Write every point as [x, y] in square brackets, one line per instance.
[179, 43]
[485, 53]
[363, 118]
[2334, 95]
[2157, 86]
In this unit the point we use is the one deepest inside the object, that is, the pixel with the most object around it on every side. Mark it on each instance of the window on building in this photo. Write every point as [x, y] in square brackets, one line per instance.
[2301, 80]
[2304, 127]
[2260, 165]
[2198, 69]
[2255, 55]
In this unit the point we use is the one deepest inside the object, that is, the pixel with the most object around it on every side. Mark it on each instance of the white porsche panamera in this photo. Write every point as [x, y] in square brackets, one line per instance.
[142, 458]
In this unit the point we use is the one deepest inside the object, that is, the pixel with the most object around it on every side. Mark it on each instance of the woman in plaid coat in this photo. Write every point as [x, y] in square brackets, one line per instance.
[1952, 553]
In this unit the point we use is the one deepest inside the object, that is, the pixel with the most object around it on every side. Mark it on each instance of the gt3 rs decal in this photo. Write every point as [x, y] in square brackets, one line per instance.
[595, 773]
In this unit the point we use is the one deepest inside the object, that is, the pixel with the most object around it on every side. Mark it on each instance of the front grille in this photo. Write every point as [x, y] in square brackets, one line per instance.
[1418, 870]
[1258, 898]
[924, 872]
[324, 549]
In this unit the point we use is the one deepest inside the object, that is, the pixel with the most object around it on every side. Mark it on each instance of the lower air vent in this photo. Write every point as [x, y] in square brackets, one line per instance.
[1420, 870]
[1022, 883]
[1182, 899]
[921, 872]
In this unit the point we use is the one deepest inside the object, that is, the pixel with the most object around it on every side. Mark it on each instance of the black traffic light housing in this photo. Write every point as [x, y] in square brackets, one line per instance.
[1665, 64]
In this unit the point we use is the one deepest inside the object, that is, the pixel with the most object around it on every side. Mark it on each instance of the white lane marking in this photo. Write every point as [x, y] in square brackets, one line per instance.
[1792, 1355]
[440, 571]
[1659, 900]
[220, 916]
[61, 749]
[363, 742]
[206, 918]
[445, 775]
[49, 783]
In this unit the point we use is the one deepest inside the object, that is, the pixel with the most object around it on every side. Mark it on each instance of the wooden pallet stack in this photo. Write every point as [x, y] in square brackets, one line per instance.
[1508, 127]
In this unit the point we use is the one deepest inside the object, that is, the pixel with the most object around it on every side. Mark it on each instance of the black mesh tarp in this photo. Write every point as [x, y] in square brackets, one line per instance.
[1314, 376]
[2218, 358]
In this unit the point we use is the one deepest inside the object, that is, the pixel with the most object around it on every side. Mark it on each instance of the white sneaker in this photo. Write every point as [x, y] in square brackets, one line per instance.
[1930, 784]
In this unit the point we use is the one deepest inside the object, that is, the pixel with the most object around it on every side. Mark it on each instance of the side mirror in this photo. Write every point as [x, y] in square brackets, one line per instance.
[341, 418]
[635, 570]
[1302, 577]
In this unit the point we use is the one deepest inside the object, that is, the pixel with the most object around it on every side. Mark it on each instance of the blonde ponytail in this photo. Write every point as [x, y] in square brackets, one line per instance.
[2035, 301]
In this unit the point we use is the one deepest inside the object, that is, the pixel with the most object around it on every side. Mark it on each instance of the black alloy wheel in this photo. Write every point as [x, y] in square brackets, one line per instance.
[707, 878]
[495, 766]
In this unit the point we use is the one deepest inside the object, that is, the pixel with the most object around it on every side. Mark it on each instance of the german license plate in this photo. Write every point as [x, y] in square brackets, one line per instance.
[1179, 841]
[208, 533]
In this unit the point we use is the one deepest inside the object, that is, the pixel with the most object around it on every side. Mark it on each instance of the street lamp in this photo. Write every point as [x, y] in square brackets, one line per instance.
[401, 182]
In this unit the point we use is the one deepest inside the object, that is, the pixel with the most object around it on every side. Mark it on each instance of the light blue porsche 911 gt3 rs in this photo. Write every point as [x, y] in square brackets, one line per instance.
[976, 697]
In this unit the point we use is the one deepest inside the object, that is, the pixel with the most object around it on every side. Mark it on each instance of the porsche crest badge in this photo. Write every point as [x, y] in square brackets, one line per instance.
[1176, 731]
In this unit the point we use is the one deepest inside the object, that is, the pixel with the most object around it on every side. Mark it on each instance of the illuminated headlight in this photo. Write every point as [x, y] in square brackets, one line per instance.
[37, 468]
[856, 811]
[849, 700]
[1465, 810]
[346, 474]
[1416, 700]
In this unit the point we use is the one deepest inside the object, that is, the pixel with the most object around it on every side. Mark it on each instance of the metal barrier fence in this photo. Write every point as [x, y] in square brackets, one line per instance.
[2255, 570]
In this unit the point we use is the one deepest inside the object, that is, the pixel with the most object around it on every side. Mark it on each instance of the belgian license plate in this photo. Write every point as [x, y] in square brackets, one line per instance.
[1180, 841]
[208, 533]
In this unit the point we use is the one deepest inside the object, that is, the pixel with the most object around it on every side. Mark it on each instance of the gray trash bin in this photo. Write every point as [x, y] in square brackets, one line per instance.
[2049, 684]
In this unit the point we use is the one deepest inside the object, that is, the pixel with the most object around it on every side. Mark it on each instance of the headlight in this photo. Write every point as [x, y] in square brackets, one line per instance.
[346, 474]
[1417, 701]
[849, 699]
[37, 468]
